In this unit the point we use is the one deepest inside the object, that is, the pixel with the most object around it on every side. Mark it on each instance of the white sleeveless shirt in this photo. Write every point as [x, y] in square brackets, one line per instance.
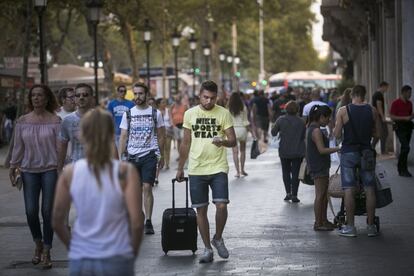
[101, 227]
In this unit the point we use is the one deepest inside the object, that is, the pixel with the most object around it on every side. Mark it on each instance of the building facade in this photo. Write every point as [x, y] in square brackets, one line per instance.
[376, 39]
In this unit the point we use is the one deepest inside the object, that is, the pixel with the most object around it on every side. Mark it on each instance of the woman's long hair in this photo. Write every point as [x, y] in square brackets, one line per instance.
[346, 97]
[236, 104]
[97, 136]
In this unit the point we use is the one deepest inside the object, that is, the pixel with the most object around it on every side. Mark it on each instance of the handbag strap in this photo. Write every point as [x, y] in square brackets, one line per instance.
[337, 170]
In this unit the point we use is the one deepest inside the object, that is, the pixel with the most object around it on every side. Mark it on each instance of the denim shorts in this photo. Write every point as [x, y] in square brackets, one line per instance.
[117, 265]
[146, 166]
[199, 189]
[350, 161]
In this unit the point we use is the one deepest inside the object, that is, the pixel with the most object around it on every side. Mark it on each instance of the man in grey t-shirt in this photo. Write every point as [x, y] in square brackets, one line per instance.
[70, 126]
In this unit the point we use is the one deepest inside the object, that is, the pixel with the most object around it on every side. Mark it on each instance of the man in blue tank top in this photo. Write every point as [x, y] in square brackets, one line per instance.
[358, 122]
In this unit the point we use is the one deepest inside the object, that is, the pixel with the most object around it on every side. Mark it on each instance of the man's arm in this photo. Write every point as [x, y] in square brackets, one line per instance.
[230, 141]
[377, 124]
[122, 142]
[380, 110]
[339, 123]
[184, 150]
[161, 139]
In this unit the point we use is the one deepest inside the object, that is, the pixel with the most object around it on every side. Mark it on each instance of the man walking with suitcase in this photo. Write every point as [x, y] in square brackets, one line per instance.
[208, 130]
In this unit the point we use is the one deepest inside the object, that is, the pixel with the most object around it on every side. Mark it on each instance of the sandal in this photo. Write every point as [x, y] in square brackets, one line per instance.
[37, 255]
[46, 261]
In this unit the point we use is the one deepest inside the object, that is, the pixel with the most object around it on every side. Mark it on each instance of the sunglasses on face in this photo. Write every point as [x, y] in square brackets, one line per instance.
[85, 95]
[121, 91]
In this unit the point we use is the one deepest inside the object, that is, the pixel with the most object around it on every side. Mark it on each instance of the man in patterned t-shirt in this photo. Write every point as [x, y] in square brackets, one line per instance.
[143, 128]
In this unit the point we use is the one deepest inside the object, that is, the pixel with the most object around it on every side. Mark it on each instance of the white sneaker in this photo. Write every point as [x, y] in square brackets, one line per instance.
[221, 248]
[206, 256]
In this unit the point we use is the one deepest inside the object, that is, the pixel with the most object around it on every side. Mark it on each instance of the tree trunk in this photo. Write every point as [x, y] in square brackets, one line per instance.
[215, 63]
[26, 53]
[56, 46]
[107, 65]
[128, 35]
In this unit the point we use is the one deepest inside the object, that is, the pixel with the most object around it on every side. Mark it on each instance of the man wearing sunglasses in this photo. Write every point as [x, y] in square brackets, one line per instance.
[69, 131]
[117, 108]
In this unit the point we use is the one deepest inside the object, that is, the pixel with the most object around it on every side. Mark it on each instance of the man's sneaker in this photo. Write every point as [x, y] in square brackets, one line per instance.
[287, 197]
[206, 256]
[347, 231]
[372, 230]
[148, 228]
[221, 248]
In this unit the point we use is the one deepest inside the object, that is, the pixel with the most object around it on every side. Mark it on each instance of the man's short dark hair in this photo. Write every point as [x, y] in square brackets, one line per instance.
[209, 86]
[63, 93]
[406, 88]
[121, 86]
[85, 85]
[383, 83]
[142, 85]
[359, 91]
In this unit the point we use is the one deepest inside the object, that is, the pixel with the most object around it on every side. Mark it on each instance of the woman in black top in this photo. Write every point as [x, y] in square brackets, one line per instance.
[319, 162]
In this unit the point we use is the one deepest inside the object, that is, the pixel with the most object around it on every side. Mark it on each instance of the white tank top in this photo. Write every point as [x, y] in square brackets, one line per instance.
[101, 227]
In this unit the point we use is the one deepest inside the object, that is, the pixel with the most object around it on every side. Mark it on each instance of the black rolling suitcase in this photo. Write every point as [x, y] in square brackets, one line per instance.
[179, 225]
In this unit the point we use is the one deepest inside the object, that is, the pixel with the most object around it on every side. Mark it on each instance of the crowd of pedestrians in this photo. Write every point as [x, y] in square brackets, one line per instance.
[108, 161]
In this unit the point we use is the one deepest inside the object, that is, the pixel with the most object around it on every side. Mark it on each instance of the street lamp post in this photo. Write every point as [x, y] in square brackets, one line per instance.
[193, 47]
[222, 58]
[176, 43]
[147, 40]
[206, 53]
[95, 7]
[236, 71]
[40, 6]
[230, 62]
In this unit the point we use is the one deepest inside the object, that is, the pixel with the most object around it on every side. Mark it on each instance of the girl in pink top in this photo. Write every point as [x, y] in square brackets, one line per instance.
[34, 154]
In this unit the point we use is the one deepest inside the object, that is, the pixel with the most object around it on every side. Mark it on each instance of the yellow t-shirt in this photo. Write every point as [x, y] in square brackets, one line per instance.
[204, 157]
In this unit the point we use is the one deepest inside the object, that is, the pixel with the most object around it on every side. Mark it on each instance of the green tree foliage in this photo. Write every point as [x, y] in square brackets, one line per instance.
[288, 23]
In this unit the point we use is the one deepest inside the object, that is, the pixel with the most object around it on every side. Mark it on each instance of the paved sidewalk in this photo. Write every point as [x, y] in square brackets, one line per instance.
[265, 235]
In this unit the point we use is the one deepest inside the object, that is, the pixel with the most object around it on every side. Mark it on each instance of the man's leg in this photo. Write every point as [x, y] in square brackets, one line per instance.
[148, 173]
[286, 173]
[220, 191]
[404, 136]
[148, 200]
[384, 136]
[350, 206]
[370, 204]
[221, 218]
[203, 225]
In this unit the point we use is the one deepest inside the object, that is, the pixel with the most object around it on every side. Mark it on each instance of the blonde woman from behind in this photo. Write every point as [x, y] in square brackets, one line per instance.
[108, 228]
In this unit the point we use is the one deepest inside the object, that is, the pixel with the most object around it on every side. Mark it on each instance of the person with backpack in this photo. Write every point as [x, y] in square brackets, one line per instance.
[142, 136]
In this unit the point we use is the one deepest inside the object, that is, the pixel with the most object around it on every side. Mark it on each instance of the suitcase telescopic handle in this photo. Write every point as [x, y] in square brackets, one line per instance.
[186, 195]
